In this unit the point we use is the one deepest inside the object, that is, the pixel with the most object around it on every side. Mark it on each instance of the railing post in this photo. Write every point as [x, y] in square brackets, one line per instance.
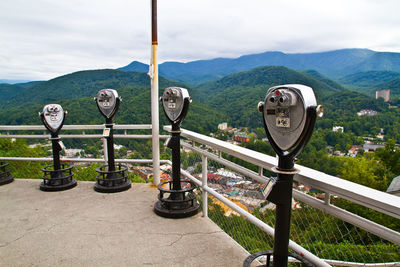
[260, 170]
[204, 194]
[327, 199]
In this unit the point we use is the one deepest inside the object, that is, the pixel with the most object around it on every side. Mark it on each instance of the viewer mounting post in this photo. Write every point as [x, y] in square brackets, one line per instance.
[110, 179]
[58, 176]
[178, 201]
[289, 115]
[153, 73]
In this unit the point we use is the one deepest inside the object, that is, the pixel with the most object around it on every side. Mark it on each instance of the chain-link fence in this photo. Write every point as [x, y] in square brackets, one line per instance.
[318, 232]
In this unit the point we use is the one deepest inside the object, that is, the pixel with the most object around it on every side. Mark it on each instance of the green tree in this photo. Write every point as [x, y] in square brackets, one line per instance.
[389, 156]
[362, 170]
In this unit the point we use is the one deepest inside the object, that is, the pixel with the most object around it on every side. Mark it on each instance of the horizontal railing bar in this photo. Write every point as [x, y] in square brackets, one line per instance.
[76, 127]
[349, 217]
[368, 197]
[359, 264]
[82, 136]
[143, 161]
[360, 194]
[257, 222]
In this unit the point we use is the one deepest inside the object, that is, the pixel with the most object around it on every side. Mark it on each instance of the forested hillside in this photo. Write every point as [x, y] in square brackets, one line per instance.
[8, 91]
[368, 79]
[233, 98]
[238, 94]
[393, 85]
[81, 84]
[75, 92]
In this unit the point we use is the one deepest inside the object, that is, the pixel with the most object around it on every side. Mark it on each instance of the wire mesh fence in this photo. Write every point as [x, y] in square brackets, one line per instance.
[320, 233]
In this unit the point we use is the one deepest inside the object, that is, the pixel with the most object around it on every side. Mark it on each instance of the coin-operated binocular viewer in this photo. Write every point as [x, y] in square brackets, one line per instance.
[176, 197]
[110, 178]
[58, 176]
[289, 115]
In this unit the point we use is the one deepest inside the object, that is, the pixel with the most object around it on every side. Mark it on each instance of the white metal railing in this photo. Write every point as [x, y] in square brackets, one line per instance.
[9, 128]
[362, 195]
[365, 196]
[257, 222]
[6, 129]
[90, 160]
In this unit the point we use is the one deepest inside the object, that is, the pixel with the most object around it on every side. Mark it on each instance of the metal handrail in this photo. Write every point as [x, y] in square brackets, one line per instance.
[254, 220]
[76, 127]
[344, 215]
[83, 135]
[365, 196]
[98, 160]
[378, 200]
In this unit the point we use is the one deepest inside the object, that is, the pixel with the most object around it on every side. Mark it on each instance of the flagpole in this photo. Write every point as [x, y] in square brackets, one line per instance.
[153, 73]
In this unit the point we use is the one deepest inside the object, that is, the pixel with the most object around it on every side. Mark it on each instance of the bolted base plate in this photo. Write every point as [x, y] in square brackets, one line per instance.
[112, 189]
[268, 253]
[52, 188]
[6, 180]
[162, 211]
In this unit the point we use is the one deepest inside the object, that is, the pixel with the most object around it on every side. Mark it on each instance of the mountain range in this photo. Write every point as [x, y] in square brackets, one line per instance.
[232, 97]
[333, 64]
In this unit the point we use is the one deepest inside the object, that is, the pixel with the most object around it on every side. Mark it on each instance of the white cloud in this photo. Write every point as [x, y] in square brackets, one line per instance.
[43, 39]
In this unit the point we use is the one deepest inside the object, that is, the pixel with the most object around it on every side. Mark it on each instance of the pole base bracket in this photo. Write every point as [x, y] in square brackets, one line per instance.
[176, 203]
[112, 181]
[57, 180]
[5, 176]
[267, 254]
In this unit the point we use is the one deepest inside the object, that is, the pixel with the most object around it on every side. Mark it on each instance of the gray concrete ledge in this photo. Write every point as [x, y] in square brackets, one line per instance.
[80, 227]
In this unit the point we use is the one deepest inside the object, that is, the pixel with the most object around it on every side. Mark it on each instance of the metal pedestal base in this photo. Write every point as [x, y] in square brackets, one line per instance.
[5, 176]
[57, 180]
[268, 253]
[179, 203]
[112, 181]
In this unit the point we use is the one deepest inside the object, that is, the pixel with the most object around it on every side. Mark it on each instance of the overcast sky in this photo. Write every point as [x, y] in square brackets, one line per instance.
[43, 39]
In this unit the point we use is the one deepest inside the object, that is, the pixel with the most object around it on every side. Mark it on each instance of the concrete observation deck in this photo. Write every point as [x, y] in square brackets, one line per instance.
[80, 227]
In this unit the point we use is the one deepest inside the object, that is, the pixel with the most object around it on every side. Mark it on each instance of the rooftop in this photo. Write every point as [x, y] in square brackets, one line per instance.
[80, 227]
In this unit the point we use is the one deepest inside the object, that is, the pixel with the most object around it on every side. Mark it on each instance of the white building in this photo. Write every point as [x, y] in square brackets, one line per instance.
[72, 152]
[367, 112]
[223, 126]
[118, 147]
[338, 129]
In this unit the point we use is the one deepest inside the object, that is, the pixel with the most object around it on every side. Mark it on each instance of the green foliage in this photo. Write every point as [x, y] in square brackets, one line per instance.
[364, 212]
[86, 173]
[74, 92]
[19, 148]
[135, 178]
[341, 110]
[238, 94]
[9, 90]
[368, 79]
[362, 170]
[389, 157]
[326, 236]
